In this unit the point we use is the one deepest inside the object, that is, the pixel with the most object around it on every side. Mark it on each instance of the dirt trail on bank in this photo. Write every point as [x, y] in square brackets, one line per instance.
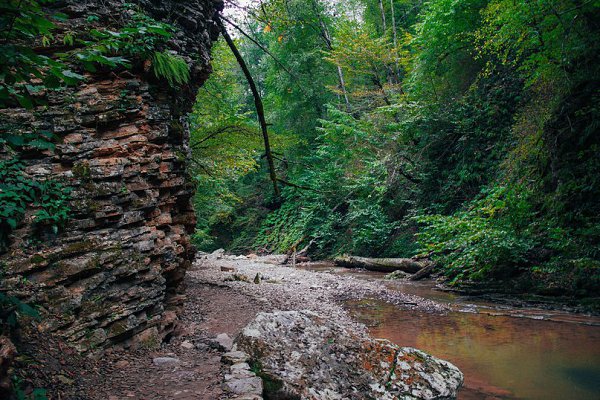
[224, 293]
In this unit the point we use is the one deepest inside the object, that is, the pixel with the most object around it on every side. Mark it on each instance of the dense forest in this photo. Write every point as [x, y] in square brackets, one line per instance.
[466, 130]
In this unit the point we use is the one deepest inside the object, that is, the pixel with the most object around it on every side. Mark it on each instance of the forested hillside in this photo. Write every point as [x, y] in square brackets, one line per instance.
[466, 130]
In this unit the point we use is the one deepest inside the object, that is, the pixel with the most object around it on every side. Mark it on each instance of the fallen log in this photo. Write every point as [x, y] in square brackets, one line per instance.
[380, 264]
[423, 272]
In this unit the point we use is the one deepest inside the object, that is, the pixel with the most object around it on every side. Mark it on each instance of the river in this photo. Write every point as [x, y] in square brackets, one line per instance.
[505, 352]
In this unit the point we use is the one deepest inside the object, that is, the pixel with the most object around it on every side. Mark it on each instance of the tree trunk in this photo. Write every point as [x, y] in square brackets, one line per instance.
[340, 72]
[380, 264]
[395, 36]
[259, 107]
[383, 23]
[343, 87]
[327, 37]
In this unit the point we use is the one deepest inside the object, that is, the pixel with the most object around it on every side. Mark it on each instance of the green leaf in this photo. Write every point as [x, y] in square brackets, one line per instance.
[25, 101]
[28, 311]
[71, 77]
[40, 394]
[15, 140]
[41, 144]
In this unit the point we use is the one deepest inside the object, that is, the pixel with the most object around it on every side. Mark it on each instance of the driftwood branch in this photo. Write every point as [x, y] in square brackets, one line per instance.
[294, 255]
[423, 272]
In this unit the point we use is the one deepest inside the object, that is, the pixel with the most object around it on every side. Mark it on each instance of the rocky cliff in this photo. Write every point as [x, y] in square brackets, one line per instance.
[113, 275]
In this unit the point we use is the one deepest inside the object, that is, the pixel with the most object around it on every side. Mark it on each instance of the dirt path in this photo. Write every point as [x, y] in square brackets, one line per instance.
[222, 298]
[209, 311]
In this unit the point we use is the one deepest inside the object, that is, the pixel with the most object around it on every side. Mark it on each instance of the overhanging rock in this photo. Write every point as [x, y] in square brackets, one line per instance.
[114, 275]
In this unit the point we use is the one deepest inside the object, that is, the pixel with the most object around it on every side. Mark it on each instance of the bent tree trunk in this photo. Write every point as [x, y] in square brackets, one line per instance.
[380, 264]
[258, 104]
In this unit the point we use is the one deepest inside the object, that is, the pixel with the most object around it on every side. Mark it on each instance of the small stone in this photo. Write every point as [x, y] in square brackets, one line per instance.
[122, 364]
[245, 386]
[238, 278]
[224, 341]
[234, 357]
[165, 361]
[63, 379]
[397, 275]
[186, 344]
[227, 269]
[218, 254]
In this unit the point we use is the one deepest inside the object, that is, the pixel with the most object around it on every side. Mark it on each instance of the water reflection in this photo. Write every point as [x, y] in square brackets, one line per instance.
[502, 357]
[505, 352]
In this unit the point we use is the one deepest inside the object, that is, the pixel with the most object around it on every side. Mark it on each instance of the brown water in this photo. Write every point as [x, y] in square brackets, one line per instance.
[504, 352]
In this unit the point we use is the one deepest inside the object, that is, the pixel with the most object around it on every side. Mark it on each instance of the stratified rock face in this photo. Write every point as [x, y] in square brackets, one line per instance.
[303, 356]
[7, 356]
[114, 275]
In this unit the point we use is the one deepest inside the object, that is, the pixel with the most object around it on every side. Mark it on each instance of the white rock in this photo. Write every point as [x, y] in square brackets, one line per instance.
[234, 357]
[165, 361]
[245, 386]
[186, 344]
[310, 354]
[224, 341]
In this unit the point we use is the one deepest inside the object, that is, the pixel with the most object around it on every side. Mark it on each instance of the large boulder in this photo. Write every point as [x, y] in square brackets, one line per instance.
[301, 355]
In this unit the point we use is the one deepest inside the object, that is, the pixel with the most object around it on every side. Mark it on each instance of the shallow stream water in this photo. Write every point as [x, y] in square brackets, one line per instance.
[505, 352]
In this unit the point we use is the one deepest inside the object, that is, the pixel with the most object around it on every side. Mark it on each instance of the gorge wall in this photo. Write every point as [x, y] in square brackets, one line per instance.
[113, 275]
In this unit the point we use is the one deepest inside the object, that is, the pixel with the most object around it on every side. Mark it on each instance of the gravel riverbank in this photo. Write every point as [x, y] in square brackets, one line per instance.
[222, 299]
[287, 288]
[304, 340]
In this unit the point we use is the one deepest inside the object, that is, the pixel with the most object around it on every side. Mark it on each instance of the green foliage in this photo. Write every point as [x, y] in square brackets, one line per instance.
[445, 59]
[487, 240]
[471, 133]
[143, 38]
[28, 73]
[18, 193]
[21, 394]
[548, 40]
[12, 310]
[171, 67]
[347, 193]
[226, 147]
[52, 204]
[24, 73]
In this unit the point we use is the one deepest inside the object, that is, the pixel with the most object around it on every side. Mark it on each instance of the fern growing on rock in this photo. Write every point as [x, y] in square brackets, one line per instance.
[171, 67]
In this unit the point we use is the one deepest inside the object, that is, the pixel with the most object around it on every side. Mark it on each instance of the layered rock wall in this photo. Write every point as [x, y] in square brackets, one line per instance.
[113, 276]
